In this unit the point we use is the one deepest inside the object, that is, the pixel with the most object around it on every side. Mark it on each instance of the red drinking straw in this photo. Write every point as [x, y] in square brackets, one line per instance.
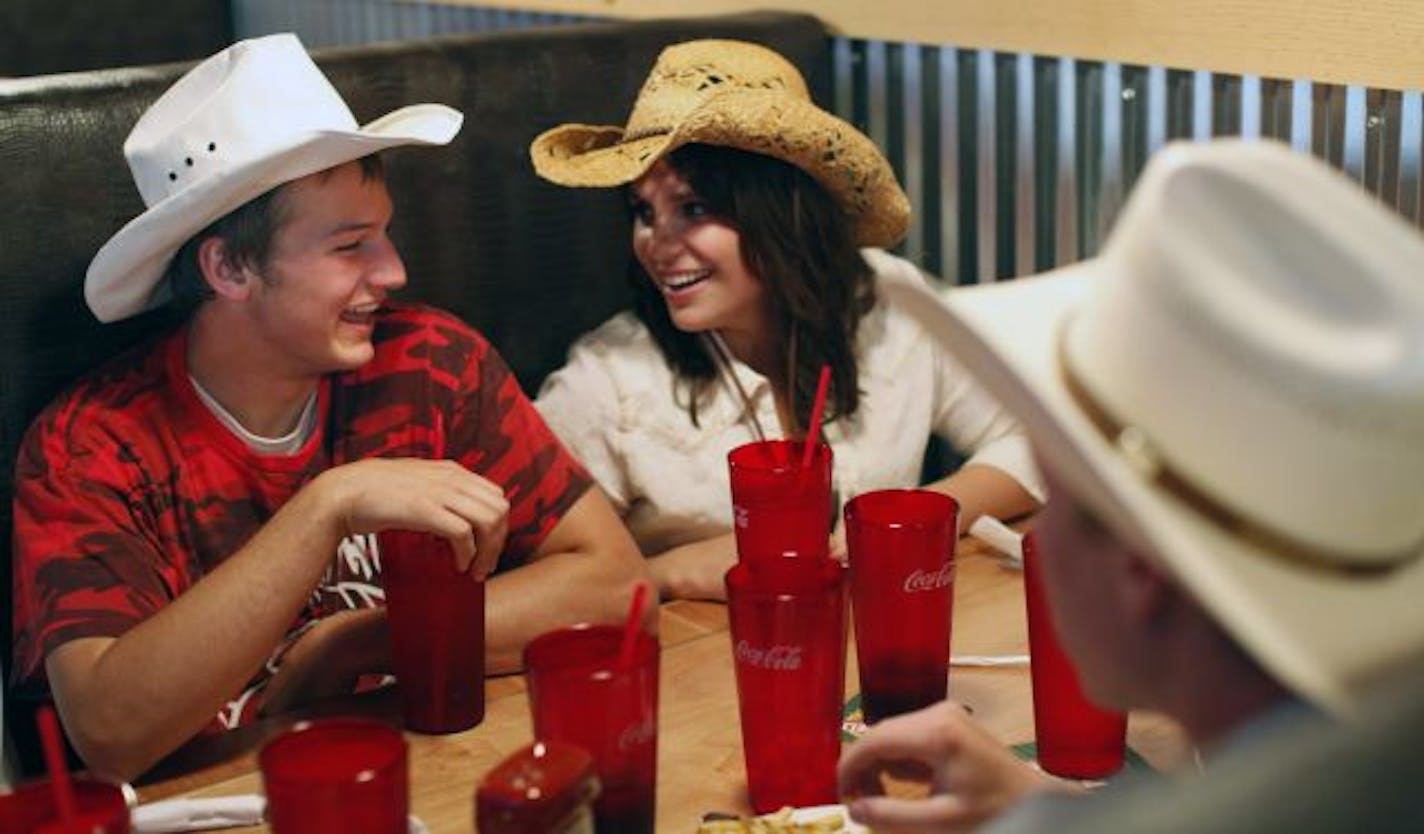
[818, 407]
[54, 760]
[630, 628]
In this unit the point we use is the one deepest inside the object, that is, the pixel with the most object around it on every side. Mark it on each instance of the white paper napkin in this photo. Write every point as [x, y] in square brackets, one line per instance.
[1001, 537]
[172, 815]
[988, 660]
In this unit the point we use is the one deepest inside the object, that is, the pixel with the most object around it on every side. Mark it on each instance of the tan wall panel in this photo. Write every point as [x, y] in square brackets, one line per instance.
[1378, 43]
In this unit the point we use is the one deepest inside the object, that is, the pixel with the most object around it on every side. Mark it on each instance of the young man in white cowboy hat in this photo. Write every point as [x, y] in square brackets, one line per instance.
[195, 520]
[1228, 405]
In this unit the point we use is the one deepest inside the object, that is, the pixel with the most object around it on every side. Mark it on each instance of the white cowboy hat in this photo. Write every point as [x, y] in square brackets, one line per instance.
[1236, 384]
[738, 95]
[248, 119]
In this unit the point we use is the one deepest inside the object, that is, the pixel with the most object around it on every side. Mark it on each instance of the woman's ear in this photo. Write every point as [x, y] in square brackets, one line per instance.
[227, 279]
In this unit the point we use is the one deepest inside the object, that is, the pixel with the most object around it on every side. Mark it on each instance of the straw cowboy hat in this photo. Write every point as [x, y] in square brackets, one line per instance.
[250, 118]
[1236, 385]
[737, 95]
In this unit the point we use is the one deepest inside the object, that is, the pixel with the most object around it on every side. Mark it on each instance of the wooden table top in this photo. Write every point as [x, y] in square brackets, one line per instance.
[700, 751]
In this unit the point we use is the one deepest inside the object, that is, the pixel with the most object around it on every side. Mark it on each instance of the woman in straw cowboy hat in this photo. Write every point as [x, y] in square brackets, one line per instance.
[1228, 405]
[748, 206]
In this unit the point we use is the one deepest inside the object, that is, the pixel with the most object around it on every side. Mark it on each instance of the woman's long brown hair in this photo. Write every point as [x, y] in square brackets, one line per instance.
[796, 239]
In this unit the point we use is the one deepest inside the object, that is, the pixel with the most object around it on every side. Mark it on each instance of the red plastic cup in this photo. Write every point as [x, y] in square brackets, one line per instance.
[1075, 738]
[579, 694]
[437, 622]
[788, 625]
[336, 776]
[901, 548]
[100, 806]
[778, 505]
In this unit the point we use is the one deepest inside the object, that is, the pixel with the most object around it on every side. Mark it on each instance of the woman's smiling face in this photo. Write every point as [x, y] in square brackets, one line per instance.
[694, 258]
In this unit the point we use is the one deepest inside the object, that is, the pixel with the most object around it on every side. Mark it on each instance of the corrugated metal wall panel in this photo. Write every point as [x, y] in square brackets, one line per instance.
[1040, 151]
[336, 22]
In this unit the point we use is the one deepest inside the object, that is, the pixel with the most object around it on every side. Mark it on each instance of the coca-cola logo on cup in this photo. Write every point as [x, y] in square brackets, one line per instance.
[739, 516]
[779, 658]
[923, 580]
[636, 735]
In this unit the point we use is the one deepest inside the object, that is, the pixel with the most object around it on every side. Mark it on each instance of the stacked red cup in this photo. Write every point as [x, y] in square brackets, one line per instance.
[786, 602]
[788, 627]
[781, 499]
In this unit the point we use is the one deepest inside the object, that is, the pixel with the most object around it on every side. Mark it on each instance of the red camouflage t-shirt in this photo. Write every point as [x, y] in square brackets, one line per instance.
[128, 489]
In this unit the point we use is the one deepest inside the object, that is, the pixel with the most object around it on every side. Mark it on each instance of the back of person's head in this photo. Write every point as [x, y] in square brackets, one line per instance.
[238, 125]
[1235, 385]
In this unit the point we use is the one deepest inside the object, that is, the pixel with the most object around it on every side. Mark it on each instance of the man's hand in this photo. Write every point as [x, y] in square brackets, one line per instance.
[328, 659]
[972, 777]
[429, 496]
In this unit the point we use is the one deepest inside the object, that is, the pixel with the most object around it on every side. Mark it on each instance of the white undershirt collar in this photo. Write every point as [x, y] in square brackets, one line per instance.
[288, 444]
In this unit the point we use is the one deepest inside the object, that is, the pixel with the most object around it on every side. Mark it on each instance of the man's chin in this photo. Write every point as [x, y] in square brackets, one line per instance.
[352, 358]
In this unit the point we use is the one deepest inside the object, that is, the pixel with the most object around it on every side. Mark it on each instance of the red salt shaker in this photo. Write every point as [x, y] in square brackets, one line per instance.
[546, 788]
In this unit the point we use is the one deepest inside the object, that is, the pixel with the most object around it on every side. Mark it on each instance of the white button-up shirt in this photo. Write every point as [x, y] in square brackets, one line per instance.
[617, 407]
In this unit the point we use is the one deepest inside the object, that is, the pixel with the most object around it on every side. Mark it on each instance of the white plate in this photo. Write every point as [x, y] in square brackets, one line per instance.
[808, 814]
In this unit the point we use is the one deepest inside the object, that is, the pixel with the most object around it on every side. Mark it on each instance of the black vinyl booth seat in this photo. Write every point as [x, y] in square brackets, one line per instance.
[530, 264]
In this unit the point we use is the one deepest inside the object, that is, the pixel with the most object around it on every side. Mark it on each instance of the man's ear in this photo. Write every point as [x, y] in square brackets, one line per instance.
[1148, 594]
[227, 279]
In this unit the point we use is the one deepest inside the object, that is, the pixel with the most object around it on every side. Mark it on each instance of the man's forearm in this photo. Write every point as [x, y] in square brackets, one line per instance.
[129, 701]
[585, 572]
[558, 590]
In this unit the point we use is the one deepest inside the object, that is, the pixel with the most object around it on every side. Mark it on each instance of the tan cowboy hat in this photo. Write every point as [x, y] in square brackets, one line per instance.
[250, 118]
[737, 95]
[1236, 385]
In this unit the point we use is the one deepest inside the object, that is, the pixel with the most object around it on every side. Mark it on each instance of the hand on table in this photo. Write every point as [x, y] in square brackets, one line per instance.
[838, 549]
[972, 777]
[328, 658]
[695, 570]
[431, 496]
